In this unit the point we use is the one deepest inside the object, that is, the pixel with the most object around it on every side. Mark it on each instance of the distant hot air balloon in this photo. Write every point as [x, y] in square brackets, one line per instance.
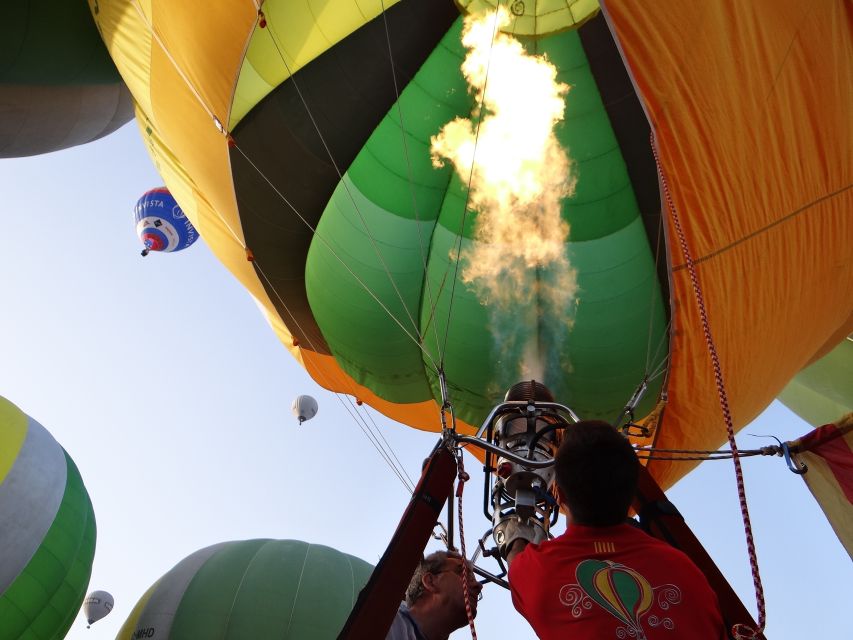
[161, 224]
[289, 145]
[304, 408]
[251, 589]
[58, 86]
[97, 605]
[47, 531]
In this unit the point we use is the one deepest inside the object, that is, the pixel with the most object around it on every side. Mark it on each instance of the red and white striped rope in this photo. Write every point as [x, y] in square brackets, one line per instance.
[740, 631]
[466, 569]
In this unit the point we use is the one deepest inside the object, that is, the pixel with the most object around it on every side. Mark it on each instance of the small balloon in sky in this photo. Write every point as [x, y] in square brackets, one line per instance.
[161, 223]
[97, 605]
[304, 408]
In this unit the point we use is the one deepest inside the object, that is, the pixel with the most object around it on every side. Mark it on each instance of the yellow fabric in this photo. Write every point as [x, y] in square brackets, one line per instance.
[829, 494]
[537, 17]
[129, 627]
[296, 33]
[192, 156]
[177, 125]
[13, 432]
[751, 103]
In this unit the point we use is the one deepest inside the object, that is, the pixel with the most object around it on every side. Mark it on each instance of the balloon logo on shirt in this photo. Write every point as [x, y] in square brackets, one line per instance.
[618, 589]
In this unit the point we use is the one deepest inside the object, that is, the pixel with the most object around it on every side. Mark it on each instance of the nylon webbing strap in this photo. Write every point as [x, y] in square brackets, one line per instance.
[378, 601]
[663, 521]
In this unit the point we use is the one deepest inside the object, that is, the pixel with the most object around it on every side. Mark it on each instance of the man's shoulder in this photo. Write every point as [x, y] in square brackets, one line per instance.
[403, 627]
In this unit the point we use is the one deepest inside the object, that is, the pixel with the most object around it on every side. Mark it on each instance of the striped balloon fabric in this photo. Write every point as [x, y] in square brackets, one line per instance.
[251, 589]
[47, 531]
[828, 453]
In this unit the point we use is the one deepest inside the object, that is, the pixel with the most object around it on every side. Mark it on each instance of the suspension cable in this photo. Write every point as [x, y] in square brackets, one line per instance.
[397, 469]
[458, 251]
[343, 182]
[411, 180]
[334, 253]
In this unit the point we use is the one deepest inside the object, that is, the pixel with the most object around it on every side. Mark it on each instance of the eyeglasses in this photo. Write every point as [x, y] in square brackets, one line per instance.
[457, 569]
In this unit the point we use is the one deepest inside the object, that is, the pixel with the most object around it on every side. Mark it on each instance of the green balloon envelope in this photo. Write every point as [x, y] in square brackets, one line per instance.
[262, 588]
[47, 531]
[58, 86]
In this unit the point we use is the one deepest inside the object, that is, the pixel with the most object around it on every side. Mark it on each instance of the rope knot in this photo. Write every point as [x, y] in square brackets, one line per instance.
[744, 632]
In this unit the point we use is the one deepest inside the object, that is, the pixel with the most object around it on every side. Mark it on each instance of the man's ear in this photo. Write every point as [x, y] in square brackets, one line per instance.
[428, 580]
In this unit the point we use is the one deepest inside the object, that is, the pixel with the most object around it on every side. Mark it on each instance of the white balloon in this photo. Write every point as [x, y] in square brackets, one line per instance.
[304, 408]
[97, 605]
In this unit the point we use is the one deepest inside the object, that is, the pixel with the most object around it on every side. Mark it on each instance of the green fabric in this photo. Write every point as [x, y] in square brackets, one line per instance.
[52, 42]
[823, 392]
[270, 589]
[619, 328]
[44, 600]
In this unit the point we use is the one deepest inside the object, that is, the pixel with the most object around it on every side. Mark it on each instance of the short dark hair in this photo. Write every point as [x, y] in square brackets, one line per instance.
[433, 563]
[597, 471]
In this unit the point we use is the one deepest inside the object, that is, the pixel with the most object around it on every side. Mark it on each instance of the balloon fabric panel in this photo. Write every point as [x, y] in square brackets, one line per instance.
[605, 351]
[348, 90]
[45, 598]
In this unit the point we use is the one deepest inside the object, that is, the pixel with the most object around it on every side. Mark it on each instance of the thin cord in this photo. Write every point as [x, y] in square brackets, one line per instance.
[458, 251]
[334, 253]
[398, 472]
[410, 172]
[343, 182]
[197, 96]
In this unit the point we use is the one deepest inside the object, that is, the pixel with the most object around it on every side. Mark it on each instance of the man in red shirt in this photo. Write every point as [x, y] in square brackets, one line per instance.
[605, 578]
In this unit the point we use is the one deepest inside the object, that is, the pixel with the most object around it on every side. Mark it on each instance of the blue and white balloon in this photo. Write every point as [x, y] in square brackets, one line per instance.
[161, 224]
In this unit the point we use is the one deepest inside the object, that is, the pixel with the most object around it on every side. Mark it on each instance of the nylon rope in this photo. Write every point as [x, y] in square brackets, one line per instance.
[739, 630]
[334, 253]
[144, 19]
[319, 133]
[410, 177]
[220, 127]
[466, 570]
[399, 472]
[377, 430]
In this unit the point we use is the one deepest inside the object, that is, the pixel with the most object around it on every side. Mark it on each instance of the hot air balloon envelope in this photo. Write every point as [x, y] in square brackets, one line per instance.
[251, 589]
[97, 605]
[47, 531]
[304, 408]
[161, 223]
[325, 179]
[58, 86]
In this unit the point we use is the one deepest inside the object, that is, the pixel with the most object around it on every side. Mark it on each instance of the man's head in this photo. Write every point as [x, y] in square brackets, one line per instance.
[596, 470]
[437, 586]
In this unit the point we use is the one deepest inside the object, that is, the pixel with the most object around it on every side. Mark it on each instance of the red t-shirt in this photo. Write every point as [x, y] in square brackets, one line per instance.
[613, 582]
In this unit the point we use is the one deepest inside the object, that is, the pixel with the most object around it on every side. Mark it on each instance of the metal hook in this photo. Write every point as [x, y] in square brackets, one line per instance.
[795, 466]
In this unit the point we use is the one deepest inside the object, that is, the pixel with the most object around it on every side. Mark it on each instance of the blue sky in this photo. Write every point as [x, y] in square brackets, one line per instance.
[165, 384]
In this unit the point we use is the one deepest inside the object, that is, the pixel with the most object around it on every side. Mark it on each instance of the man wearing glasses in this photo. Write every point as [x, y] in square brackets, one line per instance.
[435, 599]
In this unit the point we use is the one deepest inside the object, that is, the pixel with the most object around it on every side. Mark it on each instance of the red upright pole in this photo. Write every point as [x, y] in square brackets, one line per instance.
[377, 603]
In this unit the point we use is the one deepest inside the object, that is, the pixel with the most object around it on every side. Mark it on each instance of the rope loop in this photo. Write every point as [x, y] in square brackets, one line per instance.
[744, 632]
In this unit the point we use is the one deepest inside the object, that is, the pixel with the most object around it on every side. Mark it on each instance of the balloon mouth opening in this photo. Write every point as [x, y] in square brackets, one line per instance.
[152, 242]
